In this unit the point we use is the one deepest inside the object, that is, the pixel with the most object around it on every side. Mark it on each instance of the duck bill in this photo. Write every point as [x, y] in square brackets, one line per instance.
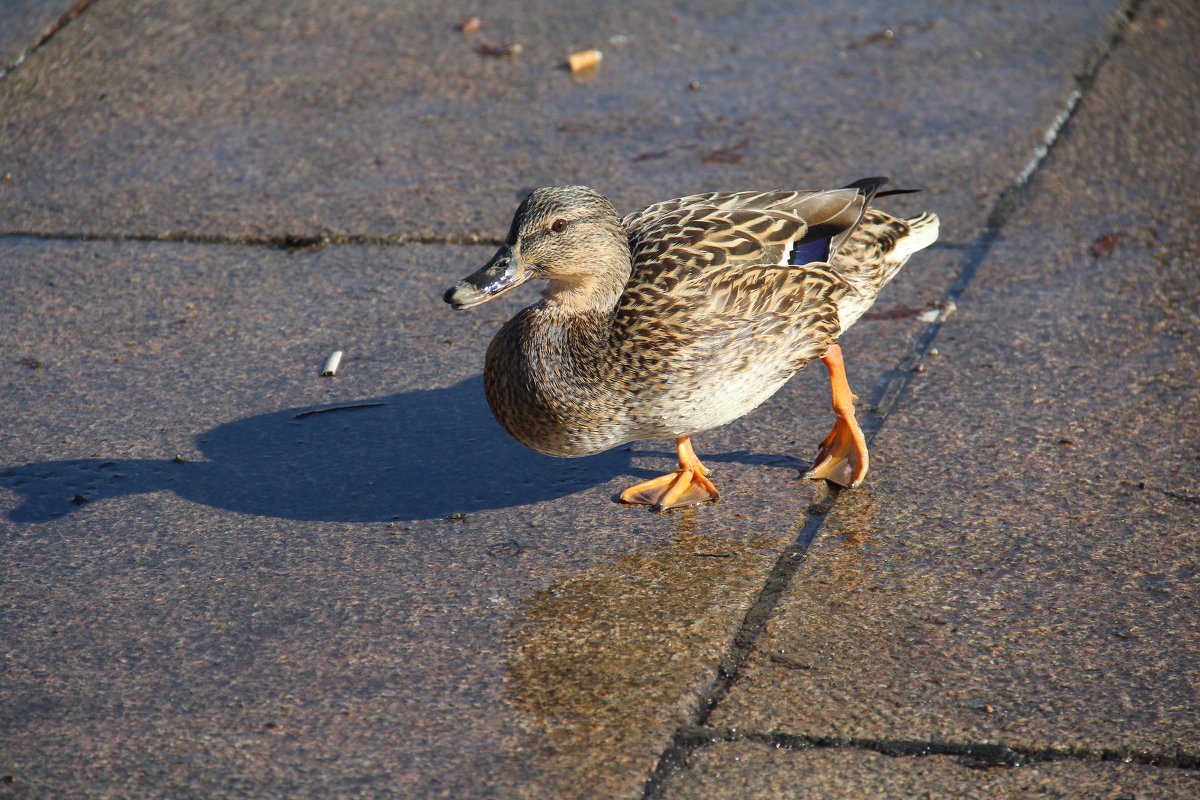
[505, 271]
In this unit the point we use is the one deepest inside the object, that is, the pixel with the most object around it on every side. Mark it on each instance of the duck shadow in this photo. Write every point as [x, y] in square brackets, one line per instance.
[414, 455]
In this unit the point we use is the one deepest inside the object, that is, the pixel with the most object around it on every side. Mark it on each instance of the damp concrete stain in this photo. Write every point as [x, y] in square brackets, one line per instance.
[603, 665]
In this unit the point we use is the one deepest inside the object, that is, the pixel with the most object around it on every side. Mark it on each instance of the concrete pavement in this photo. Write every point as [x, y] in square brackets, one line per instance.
[208, 590]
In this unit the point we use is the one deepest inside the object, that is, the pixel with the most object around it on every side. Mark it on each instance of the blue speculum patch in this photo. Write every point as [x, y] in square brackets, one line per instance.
[808, 252]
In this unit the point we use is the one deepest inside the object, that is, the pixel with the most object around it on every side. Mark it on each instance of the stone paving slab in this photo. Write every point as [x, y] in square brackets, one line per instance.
[206, 594]
[379, 120]
[277, 615]
[1026, 574]
[758, 770]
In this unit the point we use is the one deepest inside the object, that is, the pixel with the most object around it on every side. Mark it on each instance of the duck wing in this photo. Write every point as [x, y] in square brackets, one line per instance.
[714, 288]
[778, 227]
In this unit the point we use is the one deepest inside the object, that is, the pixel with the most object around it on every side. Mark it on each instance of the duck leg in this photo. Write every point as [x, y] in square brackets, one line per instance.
[687, 486]
[843, 458]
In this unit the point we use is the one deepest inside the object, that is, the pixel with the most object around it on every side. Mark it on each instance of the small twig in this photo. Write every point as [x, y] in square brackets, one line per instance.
[336, 408]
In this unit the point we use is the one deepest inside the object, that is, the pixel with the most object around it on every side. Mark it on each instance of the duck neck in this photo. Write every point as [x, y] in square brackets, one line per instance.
[575, 324]
[595, 293]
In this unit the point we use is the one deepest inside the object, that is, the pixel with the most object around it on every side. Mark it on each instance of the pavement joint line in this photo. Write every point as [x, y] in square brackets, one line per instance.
[673, 758]
[1003, 209]
[289, 242]
[63, 20]
[977, 754]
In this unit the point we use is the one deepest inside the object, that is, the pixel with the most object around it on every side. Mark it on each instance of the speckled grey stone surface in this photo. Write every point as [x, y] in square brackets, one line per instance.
[205, 594]
[380, 119]
[206, 590]
[1026, 573]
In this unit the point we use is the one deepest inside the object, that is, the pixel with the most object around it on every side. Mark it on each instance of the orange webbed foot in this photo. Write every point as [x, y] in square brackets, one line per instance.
[687, 486]
[683, 487]
[843, 458]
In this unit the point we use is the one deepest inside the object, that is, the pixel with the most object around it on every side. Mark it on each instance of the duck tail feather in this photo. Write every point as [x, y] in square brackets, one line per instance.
[868, 186]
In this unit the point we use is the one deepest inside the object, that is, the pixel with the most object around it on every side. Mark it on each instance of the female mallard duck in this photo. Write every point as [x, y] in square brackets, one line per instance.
[682, 317]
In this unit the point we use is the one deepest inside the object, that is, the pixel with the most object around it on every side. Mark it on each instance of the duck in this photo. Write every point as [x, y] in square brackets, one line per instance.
[682, 317]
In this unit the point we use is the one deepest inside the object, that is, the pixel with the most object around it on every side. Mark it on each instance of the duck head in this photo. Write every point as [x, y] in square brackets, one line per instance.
[568, 235]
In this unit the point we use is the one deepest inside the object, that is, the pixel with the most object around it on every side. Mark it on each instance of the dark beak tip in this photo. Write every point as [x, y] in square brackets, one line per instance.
[494, 278]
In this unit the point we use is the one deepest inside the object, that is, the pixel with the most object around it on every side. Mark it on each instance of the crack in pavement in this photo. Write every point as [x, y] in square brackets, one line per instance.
[63, 20]
[290, 242]
[973, 754]
[686, 740]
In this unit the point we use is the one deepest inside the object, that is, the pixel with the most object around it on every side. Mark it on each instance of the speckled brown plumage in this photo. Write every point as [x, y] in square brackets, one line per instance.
[680, 317]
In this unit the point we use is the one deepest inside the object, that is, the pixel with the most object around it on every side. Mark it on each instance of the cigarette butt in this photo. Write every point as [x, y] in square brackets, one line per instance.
[331, 364]
[585, 62]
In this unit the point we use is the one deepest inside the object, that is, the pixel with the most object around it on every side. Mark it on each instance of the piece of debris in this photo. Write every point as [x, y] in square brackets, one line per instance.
[584, 64]
[457, 516]
[878, 36]
[901, 312]
[470, 25]
[350, 407]
[789, 663]
[939, 312]
[499, 50]
[331, 364]
[1103, 245]
[28, 361]
[731, 154]
[652, 155]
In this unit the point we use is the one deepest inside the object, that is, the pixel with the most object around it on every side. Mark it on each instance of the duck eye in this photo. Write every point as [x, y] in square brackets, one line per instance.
[558, 225]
